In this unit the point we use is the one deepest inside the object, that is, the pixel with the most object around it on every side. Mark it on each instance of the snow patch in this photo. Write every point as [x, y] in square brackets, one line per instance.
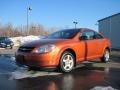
[103, 88]
[22, 73]
[23, 39]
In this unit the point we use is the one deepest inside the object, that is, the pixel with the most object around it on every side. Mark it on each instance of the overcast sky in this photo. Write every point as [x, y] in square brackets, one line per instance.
[58, 13]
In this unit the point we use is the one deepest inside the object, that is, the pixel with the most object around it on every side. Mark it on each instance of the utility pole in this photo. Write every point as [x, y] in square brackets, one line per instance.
[28, 9]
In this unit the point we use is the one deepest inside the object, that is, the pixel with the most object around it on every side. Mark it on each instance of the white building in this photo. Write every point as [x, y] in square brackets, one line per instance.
[110, 27]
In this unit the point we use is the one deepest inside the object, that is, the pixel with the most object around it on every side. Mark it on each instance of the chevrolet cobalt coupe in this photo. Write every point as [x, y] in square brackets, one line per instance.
[64, 49]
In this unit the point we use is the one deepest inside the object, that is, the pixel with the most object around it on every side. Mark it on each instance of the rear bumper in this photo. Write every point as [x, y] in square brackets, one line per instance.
[47, 60]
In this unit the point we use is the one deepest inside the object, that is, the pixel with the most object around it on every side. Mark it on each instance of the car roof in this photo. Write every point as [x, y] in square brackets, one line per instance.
[78, 29]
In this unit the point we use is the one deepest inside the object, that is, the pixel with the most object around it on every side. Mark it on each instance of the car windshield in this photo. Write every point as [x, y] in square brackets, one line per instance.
[63, 34]
[3, 38]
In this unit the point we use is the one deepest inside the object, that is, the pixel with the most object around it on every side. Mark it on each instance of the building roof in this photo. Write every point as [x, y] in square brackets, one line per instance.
[108, 17]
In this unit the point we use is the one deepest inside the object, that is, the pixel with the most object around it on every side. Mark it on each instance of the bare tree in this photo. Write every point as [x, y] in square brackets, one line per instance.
[34, 29]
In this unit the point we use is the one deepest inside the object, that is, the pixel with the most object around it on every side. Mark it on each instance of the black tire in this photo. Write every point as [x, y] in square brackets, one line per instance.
[106, 56]
[11, 47]
[70, 59]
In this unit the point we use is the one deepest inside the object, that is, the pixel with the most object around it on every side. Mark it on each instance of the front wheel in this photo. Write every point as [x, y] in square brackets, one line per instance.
[10, 47]
[106, 56]
[67, 61]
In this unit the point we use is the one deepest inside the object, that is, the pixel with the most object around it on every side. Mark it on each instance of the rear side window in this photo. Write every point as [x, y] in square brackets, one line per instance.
[97, 36]
[88, 34]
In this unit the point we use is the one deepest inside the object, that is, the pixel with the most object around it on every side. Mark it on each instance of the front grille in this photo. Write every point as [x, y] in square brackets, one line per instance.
[25, 49]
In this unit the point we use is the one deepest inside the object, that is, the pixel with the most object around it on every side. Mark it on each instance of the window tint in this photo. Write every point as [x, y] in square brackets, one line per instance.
[88, 35]
[97, 36]
[3, 38]
[64, 34]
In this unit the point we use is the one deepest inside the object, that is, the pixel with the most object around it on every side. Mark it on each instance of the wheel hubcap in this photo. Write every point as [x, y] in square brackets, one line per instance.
[107, 55]
[68, 62]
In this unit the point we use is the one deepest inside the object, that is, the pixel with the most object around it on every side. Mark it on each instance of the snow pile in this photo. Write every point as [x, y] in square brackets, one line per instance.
[103, 88]
[17, 40]
[30, 38]
[23, 39]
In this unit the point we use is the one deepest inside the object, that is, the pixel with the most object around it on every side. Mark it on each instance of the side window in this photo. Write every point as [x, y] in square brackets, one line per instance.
[97, 36]
[56, 35]
[87, 35]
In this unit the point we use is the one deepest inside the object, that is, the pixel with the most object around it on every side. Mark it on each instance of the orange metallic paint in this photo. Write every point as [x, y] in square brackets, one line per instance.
[84, 50]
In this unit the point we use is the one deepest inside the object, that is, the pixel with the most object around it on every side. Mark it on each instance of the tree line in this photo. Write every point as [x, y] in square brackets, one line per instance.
[34, 29]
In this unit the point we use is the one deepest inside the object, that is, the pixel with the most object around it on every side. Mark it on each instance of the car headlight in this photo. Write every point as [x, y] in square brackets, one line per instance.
[45, 48]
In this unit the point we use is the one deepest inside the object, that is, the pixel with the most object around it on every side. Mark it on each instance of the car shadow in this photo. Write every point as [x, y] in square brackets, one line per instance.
[115, 55]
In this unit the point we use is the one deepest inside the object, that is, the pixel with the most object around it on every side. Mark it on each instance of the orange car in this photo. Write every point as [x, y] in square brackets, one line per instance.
[64, 49]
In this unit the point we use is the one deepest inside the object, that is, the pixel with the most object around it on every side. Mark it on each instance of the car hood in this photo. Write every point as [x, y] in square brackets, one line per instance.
[41, 42]
[5, 41]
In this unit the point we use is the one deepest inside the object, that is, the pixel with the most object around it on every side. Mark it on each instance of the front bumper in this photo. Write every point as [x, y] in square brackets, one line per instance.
[5, 45]
[37, 60]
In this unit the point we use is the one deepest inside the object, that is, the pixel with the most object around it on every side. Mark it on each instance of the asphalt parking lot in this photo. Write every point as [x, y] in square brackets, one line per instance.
[87, 76]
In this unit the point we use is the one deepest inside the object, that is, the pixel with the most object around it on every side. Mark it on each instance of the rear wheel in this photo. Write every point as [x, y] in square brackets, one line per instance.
[67, 61]
[106, 56]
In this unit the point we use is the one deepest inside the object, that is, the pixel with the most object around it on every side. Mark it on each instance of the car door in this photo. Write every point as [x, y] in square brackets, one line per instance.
[100, 43]
[91, 47]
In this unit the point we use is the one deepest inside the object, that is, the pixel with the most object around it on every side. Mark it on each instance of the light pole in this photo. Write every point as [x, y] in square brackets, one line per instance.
[28, 9]
[75, 24]
[97, 24]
